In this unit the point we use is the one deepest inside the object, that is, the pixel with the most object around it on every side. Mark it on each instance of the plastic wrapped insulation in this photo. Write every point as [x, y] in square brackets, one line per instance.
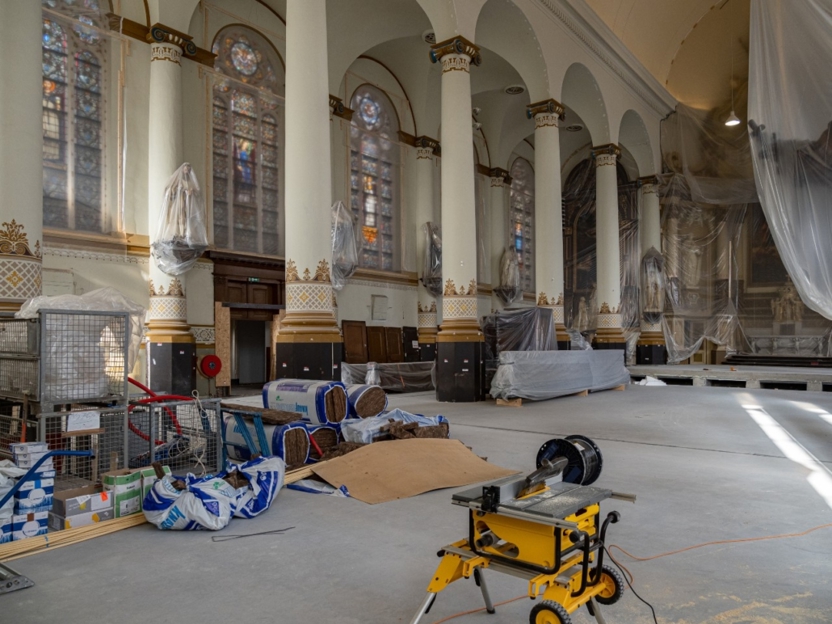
[181, 236]
[510, 288]
[344, 248]
[99, 300]
[432, 268]
[529, 329]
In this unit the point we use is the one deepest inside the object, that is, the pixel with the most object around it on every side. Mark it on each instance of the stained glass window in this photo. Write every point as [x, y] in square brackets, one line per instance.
[246, 132]
[374, 177]
[73, 116]
[521, 218]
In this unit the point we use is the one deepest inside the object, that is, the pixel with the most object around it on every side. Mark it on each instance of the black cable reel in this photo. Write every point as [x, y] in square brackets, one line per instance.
[584, 459]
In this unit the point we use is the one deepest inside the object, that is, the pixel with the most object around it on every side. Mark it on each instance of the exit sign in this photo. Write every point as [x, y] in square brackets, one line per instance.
[254, 279]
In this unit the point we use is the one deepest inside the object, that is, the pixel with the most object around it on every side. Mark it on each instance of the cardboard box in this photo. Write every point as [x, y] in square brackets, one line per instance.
[29, 525]
[28, 447]
[149, 478]
[81, 501]
[59, 523]
[126, 488]
[34, 495]
[28, 460]
[5, 529]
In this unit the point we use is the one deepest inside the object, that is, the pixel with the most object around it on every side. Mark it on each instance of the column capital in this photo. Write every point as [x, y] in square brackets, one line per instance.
[338, 109]
[606, 154]
[159, 33]
[499, 177]
[426, 147]
[545, 113]
[649, 184]
[456, 54]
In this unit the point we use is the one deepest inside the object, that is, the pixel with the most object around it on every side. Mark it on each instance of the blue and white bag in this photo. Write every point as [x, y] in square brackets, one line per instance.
[265, 476]
[366, 401]
[207, 503]
[317, 401]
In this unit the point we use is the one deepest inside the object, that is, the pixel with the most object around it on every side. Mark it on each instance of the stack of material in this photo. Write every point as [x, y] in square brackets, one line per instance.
[33, 499]
[366, 401]
[320, 402]
[322, 439]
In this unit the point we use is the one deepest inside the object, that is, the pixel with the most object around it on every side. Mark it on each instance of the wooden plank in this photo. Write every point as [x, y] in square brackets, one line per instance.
[582, 393]
[510, 403]
[620, 388]
[86, 432]
[222, 342]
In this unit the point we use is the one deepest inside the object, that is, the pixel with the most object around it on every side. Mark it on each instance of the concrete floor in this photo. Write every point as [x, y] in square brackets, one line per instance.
[702, 467]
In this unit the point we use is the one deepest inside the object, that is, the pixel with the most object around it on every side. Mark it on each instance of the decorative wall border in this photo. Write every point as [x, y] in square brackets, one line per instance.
[98, 256]
[379, 284]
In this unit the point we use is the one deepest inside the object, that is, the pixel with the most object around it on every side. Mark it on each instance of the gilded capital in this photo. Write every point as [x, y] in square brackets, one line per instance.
[499, 177]
[338, 109]
[550, 108]
[456, 54]
[606, 155]
[159, 33]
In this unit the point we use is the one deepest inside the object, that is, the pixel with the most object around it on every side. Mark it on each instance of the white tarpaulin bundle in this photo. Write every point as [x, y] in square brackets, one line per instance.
[790, 117]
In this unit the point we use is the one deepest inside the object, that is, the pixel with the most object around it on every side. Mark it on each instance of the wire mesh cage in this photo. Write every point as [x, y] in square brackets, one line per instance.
[102, 431]
[65, 356]
[15, 427]
[185, 435]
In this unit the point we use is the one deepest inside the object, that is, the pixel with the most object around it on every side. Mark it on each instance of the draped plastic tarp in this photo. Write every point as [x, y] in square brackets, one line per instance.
[790, 113]
[344, 245]
[432, 266]
[180, 234]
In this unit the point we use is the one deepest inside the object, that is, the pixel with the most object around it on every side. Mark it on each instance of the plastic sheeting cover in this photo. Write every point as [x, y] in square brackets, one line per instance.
[344, 247]
[366, 430]
[181, 235]
[540, 375]
[99, 300]
[790, 113]
[529, 329]
[400, 377]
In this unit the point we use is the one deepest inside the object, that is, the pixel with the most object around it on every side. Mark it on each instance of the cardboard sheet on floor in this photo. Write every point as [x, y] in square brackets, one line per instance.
[395, 469]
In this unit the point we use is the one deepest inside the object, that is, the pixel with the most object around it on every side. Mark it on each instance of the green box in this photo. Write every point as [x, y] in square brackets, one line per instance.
[126, 488]
[149, 478]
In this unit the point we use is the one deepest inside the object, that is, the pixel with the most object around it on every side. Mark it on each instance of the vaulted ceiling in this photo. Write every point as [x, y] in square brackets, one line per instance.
[686, 44]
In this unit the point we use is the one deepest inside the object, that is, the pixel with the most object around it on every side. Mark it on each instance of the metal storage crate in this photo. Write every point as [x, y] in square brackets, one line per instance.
[108, 440]
[187, 436]
[65, 357]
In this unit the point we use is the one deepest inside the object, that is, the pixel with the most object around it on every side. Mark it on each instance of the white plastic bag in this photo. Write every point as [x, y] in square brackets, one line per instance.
[181, 236]
[207, 503]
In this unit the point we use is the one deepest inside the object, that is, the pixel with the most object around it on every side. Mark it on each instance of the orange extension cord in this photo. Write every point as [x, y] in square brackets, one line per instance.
[666, 554]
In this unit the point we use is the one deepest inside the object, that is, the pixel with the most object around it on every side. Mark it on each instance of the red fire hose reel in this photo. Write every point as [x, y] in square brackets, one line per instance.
[210, 366]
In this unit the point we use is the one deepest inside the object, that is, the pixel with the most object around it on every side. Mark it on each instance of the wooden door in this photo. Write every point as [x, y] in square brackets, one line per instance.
[410, 340]
[355, 341]
[395, 353]
[377, 344]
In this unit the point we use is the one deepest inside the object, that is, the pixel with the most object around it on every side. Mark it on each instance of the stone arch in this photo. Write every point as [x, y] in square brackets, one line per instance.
[633, 136]
[580, 91]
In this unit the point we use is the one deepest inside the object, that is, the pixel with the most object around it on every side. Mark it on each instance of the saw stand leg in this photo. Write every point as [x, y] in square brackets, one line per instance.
[479, 579]
[426, 605]
[594, 610]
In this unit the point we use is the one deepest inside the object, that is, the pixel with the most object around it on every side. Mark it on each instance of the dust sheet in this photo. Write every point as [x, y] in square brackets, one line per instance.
[395, 469]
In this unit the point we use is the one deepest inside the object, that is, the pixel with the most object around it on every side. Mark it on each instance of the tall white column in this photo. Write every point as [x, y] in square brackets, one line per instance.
[548, 211]
[168, 314]
[651, 237]
[500, 190]
[425, 163]
[459, 232]
[309, 316]
[608, 288]
[21, 152]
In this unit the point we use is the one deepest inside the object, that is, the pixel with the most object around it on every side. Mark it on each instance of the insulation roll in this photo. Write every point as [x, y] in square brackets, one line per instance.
[319, 402]
[325, 436]
[290, 442]
[366, 401]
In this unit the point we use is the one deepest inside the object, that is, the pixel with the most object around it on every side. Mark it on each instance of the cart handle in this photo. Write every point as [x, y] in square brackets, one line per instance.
[37, 465]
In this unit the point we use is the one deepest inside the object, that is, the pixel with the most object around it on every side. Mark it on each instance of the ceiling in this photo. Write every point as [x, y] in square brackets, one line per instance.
[685, 44]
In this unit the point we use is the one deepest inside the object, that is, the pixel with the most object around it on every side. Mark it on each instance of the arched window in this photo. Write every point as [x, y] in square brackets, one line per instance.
[73, 116]
[374, 177]
[247, 121]
[521, 219]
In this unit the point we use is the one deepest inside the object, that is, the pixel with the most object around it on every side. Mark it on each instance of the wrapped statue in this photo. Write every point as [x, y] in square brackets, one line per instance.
[344, 247]
[510, 289]
[181, 236]
[432, 269]
[652, 285]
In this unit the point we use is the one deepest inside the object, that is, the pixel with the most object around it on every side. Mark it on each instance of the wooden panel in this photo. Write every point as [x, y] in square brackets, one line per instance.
[235, 292]
[355, 342]
[222, 343]
[260, 294]
[410, 335]
[377, 344]
[395, 352]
